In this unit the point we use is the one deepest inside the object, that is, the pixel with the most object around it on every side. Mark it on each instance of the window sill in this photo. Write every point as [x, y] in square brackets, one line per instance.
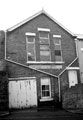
[46, 62]
[46, 99]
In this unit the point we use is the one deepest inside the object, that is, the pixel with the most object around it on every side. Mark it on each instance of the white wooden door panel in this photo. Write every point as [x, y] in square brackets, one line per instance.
[33, 91]
[22, 94]
[72, 78]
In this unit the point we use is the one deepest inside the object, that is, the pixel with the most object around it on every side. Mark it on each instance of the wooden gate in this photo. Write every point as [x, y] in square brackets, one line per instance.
[22, 93]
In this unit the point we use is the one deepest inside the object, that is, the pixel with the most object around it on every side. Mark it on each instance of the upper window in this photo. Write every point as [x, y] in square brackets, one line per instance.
[31, 54]
[57, 49]
[45, 88]
[44, 45]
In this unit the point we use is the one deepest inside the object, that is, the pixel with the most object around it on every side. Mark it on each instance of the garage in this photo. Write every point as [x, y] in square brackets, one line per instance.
[22, 93]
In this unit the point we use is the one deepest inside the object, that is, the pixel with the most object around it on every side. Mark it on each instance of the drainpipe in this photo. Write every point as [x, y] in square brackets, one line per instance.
[76, 43]
[5, 43]
[59, 88]
[77, 51]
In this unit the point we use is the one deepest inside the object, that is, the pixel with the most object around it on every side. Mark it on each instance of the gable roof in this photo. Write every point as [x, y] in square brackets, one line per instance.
[35, 15]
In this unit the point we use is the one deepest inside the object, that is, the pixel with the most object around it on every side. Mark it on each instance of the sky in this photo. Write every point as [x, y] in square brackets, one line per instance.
[67, 12]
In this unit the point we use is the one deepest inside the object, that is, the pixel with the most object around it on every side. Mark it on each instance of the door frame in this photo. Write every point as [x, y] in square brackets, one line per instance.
[73, 69]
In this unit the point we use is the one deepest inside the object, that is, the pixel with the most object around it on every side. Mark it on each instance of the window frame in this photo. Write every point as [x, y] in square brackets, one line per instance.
[48, 38]
[28, 42]
[57, 44]
[46, 97]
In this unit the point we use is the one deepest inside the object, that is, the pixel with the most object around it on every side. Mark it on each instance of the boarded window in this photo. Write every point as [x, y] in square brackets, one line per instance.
[45, 88]
[57, 50]
[44, 35]
[44, 46]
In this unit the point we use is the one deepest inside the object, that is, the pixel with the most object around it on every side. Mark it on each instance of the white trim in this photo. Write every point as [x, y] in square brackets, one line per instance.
[35, 15]
[46, 78]
[81, 49]
[30, 34]
[46, 99]
[22, 78]
[79, 36]
[45, 62]
[34, 48]
[58, 36]
[44, 29]
[31, 68]
[73, 68]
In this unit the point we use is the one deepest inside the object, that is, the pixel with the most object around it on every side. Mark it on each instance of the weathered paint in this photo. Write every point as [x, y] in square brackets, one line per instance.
[22, 93]
[72, 77]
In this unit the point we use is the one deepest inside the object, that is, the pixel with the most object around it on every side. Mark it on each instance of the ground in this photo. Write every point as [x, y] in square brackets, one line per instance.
[41, 115]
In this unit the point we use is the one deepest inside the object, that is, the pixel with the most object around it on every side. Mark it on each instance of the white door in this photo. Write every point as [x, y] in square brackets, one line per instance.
[72, 77]
[22, 93]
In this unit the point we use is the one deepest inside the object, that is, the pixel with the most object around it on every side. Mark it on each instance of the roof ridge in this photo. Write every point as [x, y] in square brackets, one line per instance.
[35, 15]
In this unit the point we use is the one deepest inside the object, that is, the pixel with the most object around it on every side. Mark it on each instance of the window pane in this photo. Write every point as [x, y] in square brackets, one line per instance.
[43, 93]
[58, 58]
[44, 58]
[44, 47]
[30, 39]
[44, 41]
[58, 52]
[57, 47]
[47, 93]
[31, 52]
[43, 34]
[57, 40]
[46, 87]
[45, 81]
[43, 87]
[45, 53]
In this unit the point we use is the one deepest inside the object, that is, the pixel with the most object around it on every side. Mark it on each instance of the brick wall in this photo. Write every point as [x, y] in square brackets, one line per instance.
[16, 71]
[16, 41]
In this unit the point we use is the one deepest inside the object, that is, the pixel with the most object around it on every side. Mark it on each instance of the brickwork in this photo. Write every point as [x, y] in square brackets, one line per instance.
[16, 41]
[17, 71]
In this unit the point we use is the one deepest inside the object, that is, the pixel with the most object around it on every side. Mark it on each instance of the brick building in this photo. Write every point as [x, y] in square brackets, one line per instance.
[41, 61]
[3, 75]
